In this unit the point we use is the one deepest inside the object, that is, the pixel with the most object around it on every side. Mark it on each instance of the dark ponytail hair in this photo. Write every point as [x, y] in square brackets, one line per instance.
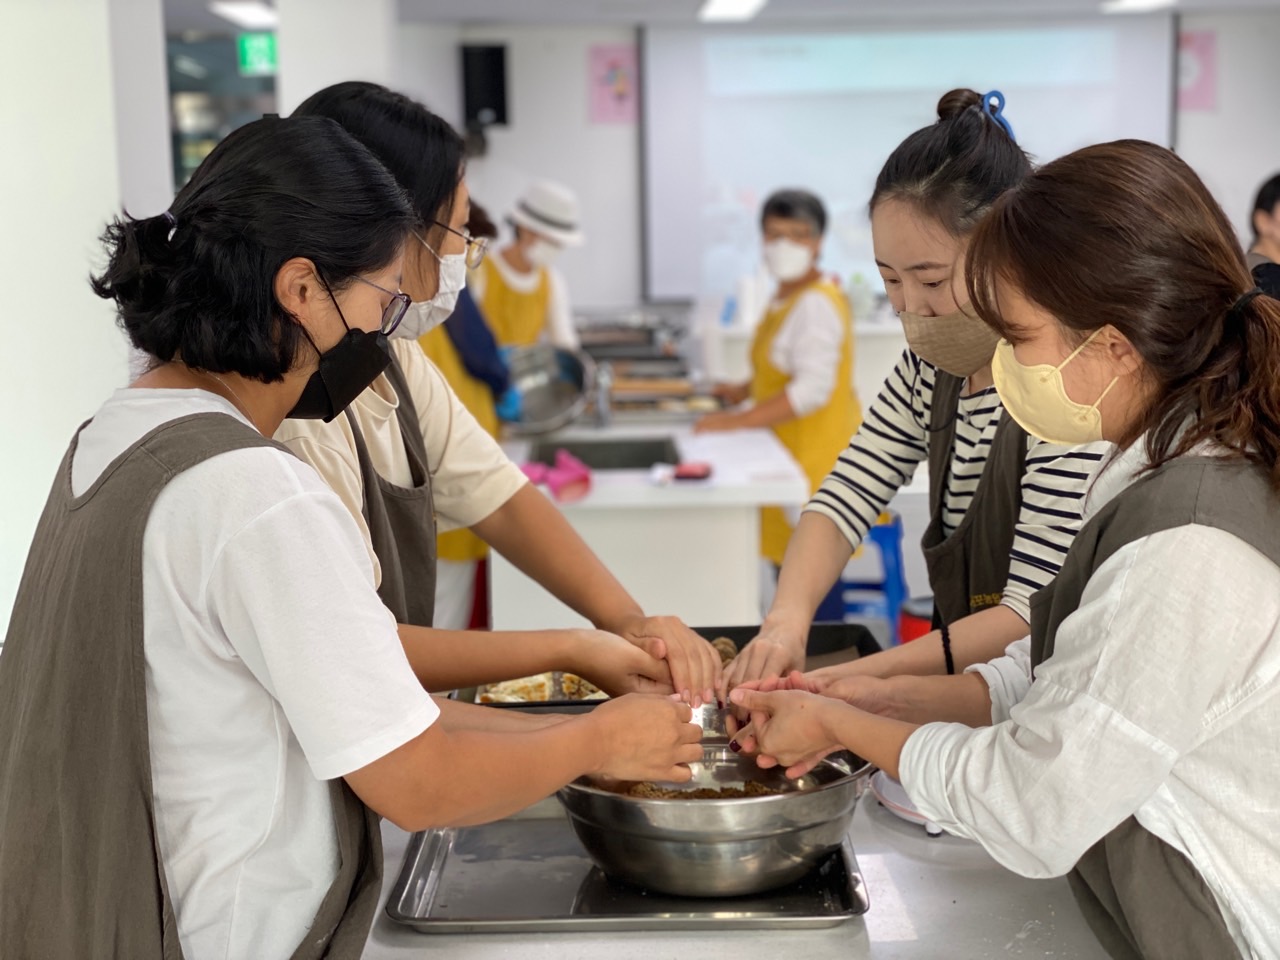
[1125, 234]
[198, 283]
[953, 170]
[424, 153]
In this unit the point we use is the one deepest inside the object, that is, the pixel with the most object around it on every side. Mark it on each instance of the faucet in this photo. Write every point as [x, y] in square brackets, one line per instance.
[604, 395]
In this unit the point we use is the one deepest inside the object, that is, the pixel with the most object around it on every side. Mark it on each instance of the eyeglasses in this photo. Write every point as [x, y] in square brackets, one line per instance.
[395, 309]
[477, 247]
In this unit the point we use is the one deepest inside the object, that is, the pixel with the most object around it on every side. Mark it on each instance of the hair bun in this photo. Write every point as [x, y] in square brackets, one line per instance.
[956, 102]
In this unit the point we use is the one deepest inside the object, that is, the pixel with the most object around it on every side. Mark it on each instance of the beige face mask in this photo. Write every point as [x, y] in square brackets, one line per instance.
[1037, 399]
[958, 343]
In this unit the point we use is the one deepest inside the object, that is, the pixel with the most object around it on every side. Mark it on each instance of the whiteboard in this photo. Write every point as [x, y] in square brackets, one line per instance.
[732, 114]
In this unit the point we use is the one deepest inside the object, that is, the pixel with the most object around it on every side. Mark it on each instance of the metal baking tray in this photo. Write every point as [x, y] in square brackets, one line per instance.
[529, 873]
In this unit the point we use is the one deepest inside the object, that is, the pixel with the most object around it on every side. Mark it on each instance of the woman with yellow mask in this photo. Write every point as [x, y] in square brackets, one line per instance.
[521, 294]
[802, 361]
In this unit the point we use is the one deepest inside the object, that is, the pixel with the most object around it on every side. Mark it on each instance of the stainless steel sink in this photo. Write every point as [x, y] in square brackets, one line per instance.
[638, 453]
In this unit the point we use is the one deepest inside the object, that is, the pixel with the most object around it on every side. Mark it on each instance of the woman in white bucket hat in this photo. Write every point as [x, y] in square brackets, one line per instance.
[523, 296]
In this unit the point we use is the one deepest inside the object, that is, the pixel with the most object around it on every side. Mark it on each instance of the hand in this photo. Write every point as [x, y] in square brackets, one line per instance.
[696, 668]
[618, 667]
[646, 738]
[718, 423]
[731, 394]
[777, 650]
[787, 727]
[872, 694]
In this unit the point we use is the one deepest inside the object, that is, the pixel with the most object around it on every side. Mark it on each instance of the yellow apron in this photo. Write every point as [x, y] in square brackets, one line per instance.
[460, 546]
[816, 439]
[516, 319]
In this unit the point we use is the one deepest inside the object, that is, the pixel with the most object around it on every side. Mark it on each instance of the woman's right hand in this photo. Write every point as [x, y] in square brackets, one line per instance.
[776, 651]
[872, 694]
[731, 394]
[646, 737]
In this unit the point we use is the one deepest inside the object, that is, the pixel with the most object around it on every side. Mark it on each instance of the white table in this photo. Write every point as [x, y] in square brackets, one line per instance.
[930, 899]
[691, 548]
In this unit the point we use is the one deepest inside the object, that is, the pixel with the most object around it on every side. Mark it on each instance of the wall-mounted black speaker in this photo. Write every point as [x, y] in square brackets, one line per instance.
[484, 86]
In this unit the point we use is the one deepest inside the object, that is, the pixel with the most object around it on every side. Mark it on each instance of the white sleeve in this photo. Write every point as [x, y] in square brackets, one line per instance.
[1008, 678]
[1054, 484]
[293, 591]
[560, 328]
[808, 348]
[471, 476]
[1171, 642]
[883, 454]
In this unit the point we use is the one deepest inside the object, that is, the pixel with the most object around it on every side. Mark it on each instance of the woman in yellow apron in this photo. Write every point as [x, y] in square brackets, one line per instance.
[521, 294]
[801, 385]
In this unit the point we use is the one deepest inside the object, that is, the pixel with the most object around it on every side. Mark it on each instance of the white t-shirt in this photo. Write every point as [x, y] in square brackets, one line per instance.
[560, 330]
[272, 666]
[470, 475]
[1161, 701]
[807, 348]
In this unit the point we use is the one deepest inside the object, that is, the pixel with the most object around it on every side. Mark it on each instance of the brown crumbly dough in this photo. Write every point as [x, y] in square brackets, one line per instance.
[651, 791]
[726, 648]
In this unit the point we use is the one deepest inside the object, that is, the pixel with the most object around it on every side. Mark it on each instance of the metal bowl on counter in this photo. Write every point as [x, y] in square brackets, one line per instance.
[554, 386]
[719, 847]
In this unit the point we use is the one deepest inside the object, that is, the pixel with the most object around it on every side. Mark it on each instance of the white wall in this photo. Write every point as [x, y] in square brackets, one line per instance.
[62, 353]
[322, 42]
[428, 67]
[548, 136]
[1237, 146]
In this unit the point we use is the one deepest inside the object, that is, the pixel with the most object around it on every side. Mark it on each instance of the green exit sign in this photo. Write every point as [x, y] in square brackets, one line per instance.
[257, 54]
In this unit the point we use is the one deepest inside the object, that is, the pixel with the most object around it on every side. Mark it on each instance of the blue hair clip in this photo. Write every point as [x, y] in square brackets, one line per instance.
[993, 106]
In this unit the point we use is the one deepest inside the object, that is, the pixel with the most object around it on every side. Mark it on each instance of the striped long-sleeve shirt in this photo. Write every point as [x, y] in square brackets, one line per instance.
[894, 439]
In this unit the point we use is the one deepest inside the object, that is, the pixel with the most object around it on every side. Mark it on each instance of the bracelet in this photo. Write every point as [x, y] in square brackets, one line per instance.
[946, 649]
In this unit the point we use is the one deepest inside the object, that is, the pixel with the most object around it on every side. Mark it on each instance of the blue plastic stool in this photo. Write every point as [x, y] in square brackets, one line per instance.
[891, 591]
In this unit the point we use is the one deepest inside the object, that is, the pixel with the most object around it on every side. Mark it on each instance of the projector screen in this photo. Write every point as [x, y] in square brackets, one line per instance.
[733, 114]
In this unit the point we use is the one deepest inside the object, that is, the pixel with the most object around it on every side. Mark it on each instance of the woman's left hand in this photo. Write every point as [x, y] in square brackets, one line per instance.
[618, 666]
[695, 664]
[787, 727]
[717, 423]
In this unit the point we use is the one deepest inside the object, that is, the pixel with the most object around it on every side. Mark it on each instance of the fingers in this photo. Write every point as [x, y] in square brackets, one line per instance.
[766, 762]
[678, 774]
[753, 700]
[655, 647]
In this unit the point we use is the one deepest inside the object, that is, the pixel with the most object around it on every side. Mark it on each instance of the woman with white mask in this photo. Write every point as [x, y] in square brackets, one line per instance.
[408, 460]
[1005, 506]
[522, 294]
[801, 384]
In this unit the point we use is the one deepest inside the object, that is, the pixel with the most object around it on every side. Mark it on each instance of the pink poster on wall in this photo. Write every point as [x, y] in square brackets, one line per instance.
[612, 76]
[1198, 70]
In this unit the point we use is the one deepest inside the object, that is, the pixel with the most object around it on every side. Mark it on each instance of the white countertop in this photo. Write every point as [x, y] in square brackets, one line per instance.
[749, 468]
[930, 898]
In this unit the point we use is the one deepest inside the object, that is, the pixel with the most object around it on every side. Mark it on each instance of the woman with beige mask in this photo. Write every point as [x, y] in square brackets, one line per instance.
[1005, 506]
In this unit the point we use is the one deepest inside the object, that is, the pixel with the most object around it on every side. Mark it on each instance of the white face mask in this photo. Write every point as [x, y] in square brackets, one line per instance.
[542, 253]
[425, 315]
[787, 260]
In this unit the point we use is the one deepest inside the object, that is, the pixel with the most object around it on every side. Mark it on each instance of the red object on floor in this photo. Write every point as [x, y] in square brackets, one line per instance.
[480, 601]
[916, 618]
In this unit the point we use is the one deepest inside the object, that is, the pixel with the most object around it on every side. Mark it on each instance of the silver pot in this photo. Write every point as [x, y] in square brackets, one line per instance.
[718, 848]
[554, 386]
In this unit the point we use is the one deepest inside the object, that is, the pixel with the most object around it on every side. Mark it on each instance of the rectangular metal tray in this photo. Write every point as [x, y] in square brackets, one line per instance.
[529, 873]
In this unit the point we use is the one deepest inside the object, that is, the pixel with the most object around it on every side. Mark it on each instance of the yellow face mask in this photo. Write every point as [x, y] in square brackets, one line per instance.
[1036, 398]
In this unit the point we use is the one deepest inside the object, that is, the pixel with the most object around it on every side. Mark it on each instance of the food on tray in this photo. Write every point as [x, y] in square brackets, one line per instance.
[652, 791]
[726, 648]
[540, 688]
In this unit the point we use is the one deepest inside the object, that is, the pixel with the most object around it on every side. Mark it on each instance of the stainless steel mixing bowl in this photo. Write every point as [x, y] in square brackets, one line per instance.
[554, 386]
[717, 848]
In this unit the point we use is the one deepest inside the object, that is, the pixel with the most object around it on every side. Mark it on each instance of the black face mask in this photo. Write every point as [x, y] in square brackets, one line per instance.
[345, 370]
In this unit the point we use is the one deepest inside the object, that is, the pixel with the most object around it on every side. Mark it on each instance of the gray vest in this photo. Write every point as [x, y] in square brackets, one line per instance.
[1144, 899]
[80, 869]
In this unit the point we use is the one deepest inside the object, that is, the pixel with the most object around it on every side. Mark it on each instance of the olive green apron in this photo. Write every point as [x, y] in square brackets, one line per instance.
[402, 520]
[80, 868]
[1143, 898]
[969, 568]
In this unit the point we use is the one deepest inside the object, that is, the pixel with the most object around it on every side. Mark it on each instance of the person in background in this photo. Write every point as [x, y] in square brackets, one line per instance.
[1005, 506]
[466, 353]
[522, 294]
[1133, 740]
[408, 453]
[206, 708]
[1263, 257]
[801, 384]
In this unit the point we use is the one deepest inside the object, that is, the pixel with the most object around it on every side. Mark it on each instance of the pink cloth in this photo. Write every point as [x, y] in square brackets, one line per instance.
[568, 479]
